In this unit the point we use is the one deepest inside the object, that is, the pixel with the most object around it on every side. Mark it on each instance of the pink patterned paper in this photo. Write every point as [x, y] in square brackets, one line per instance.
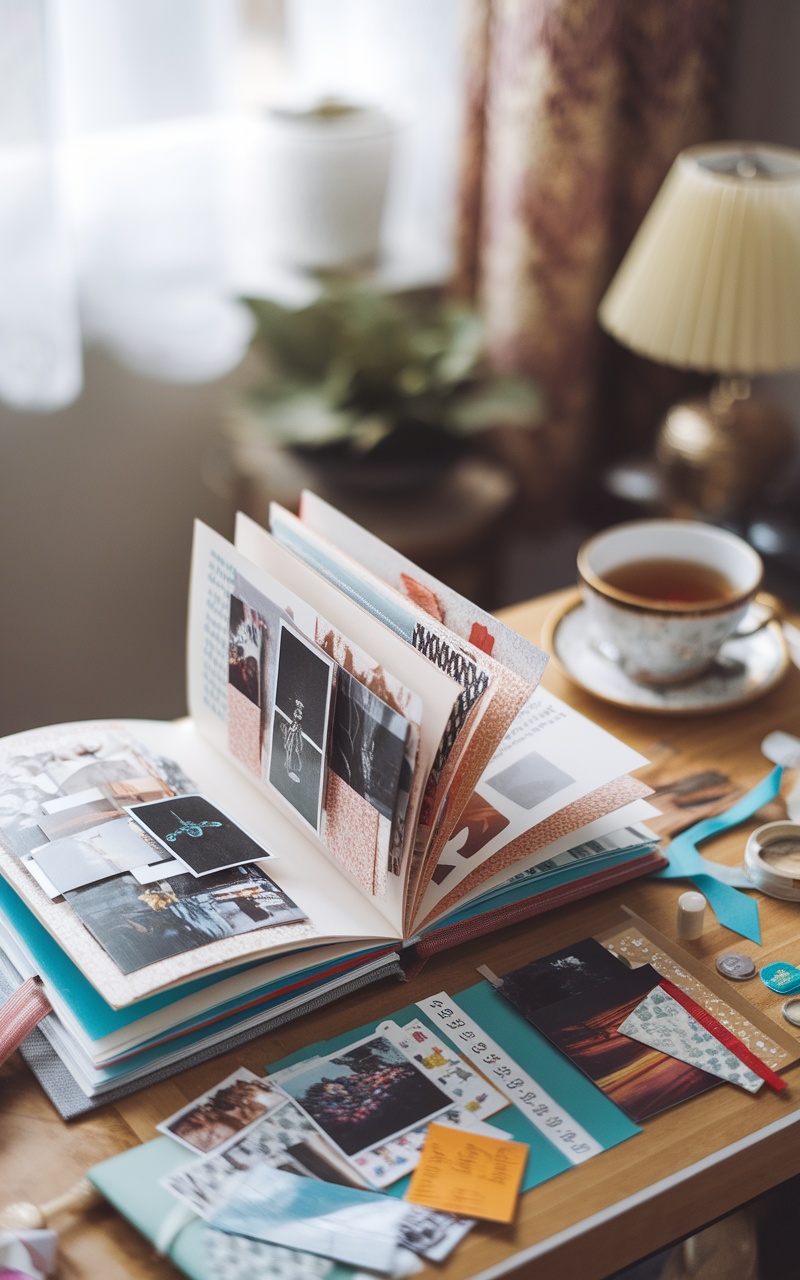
[351, 831]
[244, 730]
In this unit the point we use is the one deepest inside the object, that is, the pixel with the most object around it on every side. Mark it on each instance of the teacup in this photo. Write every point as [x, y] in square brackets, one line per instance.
[663, 596]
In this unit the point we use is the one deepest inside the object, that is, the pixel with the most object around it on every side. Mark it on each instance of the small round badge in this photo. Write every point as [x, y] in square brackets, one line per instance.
[791, 1011]
[737, 966]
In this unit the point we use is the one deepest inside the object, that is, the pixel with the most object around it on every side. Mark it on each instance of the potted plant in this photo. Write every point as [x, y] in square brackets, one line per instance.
[377, 390]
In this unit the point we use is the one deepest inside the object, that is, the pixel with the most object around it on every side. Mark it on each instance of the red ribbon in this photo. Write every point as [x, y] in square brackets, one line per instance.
[725, 1037]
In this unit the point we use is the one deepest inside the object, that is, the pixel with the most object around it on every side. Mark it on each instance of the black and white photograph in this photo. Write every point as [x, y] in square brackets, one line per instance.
[300, 720]
[140, 924]
[196, 831]
[96, 853]
[368, 743]
[530, 781]
[365, 1094]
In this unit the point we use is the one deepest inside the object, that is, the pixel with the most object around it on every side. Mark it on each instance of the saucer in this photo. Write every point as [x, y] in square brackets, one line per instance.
[746, 668]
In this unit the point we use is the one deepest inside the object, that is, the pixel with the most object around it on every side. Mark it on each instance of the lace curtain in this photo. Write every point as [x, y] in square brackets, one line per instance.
[131, 191]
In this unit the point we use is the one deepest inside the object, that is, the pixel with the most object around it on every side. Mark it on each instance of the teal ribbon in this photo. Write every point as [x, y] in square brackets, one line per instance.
[721, 884]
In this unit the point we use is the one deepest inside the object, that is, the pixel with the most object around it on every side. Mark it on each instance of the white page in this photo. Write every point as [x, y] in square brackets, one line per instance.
[551, 757]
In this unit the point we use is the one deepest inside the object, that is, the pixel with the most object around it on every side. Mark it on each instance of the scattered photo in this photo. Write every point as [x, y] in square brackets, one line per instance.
[196, 831]
[299, 728]
[530, 781]
[368, 742]
[640, 1080]
[140, 924]
[204, 1184]
[95, 854]
[365, 1095]
[217, 1118]
[571, 971]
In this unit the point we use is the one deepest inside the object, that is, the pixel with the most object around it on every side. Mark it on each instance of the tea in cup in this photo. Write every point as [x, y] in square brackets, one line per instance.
[663, 596]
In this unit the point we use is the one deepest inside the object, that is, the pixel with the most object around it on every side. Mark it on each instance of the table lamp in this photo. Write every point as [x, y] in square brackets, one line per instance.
[712, 282]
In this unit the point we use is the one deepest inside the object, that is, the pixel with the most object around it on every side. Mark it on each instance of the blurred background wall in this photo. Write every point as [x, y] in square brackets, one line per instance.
[97, 500]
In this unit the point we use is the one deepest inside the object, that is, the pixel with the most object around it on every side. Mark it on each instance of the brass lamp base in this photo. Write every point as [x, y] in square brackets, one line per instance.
[717, 456]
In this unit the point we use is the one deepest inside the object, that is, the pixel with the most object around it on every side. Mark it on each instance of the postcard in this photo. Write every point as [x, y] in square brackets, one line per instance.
[200, 834]
[97, 853]
[300, 716]
[363, 1096]
[140, 924]
[573, 970]
[221, 1115]
[585, 1024]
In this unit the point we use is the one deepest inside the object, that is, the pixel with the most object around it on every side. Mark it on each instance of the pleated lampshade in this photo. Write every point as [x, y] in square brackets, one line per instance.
[712, 278]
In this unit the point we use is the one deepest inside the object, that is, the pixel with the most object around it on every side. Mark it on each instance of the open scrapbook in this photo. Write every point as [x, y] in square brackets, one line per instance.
[369, 770]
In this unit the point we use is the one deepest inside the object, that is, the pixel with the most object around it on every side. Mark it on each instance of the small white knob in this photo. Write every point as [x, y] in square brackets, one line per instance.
[691, 912]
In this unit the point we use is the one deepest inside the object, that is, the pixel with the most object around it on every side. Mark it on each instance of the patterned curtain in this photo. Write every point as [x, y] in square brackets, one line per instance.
[574, 112]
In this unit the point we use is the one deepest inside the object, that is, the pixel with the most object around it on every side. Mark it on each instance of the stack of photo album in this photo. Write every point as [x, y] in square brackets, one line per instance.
[370, 772]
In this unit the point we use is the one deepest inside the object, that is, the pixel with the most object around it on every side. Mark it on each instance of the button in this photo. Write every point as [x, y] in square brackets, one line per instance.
[791, 1011]
[737, 966]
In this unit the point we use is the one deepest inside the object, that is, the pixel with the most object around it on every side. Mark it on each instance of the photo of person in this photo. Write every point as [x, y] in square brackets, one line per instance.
[364, 1095]
[246, 688]
[245, 650]
[138, 925]
[300, 719]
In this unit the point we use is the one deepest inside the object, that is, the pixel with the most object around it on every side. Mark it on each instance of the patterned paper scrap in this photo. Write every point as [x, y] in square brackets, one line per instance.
[631, 945]
[663, 1024]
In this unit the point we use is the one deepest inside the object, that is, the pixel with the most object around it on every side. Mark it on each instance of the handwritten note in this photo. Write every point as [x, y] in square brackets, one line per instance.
[469, 1174]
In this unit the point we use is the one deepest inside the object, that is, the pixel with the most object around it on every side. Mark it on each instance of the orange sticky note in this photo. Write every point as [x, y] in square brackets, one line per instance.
[468, 1174]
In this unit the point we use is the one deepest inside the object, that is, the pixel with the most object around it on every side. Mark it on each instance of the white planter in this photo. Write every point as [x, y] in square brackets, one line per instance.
[326, 186]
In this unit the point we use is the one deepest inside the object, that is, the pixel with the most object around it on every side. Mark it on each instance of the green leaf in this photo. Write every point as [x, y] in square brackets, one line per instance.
[501, 402]
[301, 418]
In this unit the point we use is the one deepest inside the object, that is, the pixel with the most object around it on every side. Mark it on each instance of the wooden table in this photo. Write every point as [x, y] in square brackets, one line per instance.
[688, 1166]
